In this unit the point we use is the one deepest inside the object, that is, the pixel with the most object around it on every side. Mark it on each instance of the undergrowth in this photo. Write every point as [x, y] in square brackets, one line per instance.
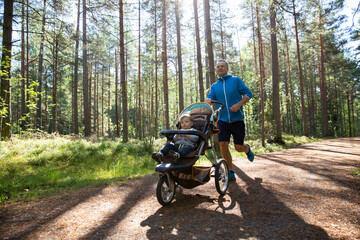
[35, 167]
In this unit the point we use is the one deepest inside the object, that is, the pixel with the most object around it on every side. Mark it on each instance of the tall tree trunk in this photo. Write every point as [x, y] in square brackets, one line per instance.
[87, 117]
[209, 43]
[109, 103]
[303, 111]
[313, 103]
[46, 105]
[254, 48]
[5, 95]
[40, 70]
[290, 86]
[76, 76]
[117, 133]
[323, 90]
[139, 80]
[349, 112]
[207, 74]
[96, 103]
[156, 71]
[198, 51]
[275, 73]
[210, 52]
[287, 97]
[352, 113]
[60, 123]
[221, 31]
[122, 74]
[23, 67]
[54, 96]
[341, 114]
[164, 60]
[314, 87]
[254, 42]
[27, 59]
[102, 101]
[308, 98]
[195, 77]
[262, 77]
[93, 92]
[179, 56]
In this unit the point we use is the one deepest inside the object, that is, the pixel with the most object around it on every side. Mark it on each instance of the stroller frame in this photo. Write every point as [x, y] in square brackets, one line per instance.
[184, 172]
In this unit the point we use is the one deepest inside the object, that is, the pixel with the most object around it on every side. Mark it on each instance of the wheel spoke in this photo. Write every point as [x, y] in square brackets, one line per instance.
[166, 190]
[222, 179]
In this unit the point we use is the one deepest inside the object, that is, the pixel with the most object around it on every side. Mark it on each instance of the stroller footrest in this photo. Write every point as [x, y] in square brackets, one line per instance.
[164, 167]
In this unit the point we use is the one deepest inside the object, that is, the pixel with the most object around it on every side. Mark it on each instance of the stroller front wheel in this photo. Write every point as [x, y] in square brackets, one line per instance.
[165, 190]
[222, 176]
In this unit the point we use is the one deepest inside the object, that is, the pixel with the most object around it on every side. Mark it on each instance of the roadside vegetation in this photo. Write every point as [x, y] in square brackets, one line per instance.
[32, 168]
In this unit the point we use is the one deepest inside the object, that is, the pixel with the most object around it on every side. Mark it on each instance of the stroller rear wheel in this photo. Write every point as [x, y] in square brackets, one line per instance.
[165, 191]
[222, 176]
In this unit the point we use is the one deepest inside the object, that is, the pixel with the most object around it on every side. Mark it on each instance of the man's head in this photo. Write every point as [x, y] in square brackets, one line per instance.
[186, 121]
[222, 67]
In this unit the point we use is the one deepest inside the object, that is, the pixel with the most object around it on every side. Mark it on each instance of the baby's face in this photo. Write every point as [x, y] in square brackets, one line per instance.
[186, 123]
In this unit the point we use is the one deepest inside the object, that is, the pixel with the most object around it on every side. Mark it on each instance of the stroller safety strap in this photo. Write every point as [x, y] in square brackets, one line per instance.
[173, 132]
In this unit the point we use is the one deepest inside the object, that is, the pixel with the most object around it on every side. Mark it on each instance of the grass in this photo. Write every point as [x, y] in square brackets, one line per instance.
[32, 168]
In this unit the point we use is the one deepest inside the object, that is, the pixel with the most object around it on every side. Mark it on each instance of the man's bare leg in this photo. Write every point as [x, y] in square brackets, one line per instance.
[245, 149]
[225, 152]
[242, 148]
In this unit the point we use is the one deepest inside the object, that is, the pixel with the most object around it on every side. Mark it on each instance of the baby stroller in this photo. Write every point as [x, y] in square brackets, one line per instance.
[185, 172]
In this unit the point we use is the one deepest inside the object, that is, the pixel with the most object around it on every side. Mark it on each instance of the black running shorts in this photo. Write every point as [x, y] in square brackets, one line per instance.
[236, 129]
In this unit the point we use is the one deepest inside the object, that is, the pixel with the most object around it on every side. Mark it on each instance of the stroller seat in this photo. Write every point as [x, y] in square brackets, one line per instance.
[200, 122]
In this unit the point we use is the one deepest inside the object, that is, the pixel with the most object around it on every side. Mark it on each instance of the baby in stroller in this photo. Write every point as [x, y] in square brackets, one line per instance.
[181, 144]
[193, 142]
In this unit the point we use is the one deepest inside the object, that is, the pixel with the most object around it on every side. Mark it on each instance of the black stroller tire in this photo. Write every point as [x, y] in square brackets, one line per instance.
[222, 176]
[165, 190]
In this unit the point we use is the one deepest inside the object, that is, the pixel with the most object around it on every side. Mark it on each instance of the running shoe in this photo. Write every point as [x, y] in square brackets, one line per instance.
[250, 155]
[231, 176]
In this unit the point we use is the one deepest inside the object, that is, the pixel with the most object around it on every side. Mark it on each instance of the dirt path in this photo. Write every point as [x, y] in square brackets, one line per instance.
[302, 193]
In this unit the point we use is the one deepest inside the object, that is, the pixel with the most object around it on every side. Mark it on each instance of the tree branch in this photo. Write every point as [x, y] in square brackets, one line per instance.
[357, 9]
[280, 5]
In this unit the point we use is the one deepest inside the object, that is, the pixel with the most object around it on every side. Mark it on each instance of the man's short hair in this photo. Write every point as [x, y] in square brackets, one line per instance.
[223, 61]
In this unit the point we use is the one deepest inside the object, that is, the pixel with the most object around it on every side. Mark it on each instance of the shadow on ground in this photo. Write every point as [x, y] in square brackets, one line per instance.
[261, 216]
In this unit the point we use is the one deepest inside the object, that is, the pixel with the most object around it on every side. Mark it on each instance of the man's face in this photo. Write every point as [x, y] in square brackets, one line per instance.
[221, 69]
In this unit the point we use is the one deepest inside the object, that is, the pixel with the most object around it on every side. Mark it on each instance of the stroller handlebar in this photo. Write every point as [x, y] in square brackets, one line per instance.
[220, 103]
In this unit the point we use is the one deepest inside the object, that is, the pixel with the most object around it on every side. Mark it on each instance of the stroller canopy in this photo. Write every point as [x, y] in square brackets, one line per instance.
[201, 113]
[198, 109]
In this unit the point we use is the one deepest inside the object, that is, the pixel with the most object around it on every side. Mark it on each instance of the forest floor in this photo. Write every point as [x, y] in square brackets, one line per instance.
[307, 192]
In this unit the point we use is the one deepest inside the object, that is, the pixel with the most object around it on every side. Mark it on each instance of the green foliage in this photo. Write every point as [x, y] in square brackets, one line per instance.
[3, 108]
[30, 168]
